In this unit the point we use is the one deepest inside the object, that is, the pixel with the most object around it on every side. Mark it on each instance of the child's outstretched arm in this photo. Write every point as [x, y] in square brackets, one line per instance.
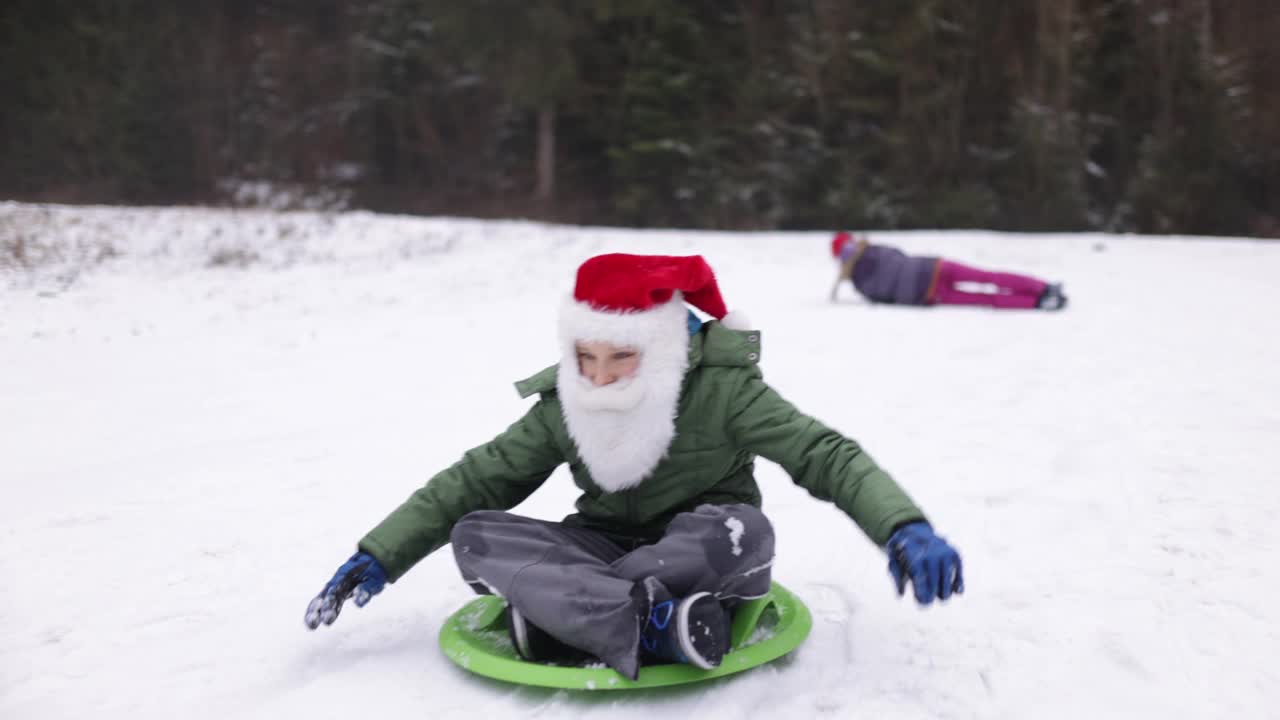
[495, 476]
[835, 468]
[846, 272]
[829, 465]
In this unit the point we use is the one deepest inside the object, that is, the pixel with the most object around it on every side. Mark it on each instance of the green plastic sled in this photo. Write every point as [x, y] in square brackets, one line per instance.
[475, 638]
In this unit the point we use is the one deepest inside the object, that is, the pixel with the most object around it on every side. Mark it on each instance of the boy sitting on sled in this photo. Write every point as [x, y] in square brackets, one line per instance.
[660, 418]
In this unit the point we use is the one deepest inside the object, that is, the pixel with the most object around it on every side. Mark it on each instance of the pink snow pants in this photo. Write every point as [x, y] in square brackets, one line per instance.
[1012, 291]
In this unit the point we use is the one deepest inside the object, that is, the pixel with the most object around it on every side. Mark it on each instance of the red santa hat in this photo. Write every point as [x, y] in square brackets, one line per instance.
[639, 300]
[839, 241]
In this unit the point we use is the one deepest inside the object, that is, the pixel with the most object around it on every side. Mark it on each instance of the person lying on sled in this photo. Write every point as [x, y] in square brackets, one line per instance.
[885, 274]
[660, 418]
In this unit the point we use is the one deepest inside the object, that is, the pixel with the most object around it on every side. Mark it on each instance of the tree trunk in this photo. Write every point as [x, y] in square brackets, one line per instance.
[546, 189]
[1206, 32]
[1066, 21]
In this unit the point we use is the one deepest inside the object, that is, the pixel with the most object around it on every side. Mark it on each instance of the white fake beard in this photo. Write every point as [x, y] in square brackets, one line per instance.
[617, 397]
[622, 433]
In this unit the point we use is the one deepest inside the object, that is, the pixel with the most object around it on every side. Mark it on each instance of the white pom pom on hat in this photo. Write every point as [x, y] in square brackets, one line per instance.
[736, 320]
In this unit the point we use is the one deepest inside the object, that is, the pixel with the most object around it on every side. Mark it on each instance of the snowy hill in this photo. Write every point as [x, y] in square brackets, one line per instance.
[201, 411]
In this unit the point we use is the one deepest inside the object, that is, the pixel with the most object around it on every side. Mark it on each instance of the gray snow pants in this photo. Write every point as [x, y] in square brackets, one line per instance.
[587, 592]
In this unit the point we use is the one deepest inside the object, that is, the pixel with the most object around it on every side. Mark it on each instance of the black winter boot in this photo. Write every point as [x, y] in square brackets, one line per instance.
[694, 630]
[533, 644]
[1051, 298]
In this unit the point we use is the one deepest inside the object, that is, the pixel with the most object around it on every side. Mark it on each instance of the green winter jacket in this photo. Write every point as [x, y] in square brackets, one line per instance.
[727, 416]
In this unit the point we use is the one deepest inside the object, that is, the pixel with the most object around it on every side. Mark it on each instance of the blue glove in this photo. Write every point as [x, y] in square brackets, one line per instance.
[932, 565]
[362, 577]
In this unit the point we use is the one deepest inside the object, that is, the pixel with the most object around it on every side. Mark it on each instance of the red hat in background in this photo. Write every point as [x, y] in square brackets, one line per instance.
[839, 241]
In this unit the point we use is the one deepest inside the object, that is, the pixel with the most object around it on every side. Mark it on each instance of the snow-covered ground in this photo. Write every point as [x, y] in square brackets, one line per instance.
[194, 433]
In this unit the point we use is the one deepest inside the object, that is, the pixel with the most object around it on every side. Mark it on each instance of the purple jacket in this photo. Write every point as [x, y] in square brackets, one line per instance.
[888, 275]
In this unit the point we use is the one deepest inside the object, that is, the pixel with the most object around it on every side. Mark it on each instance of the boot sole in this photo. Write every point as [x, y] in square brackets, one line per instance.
[696, 658]
[519, 633]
